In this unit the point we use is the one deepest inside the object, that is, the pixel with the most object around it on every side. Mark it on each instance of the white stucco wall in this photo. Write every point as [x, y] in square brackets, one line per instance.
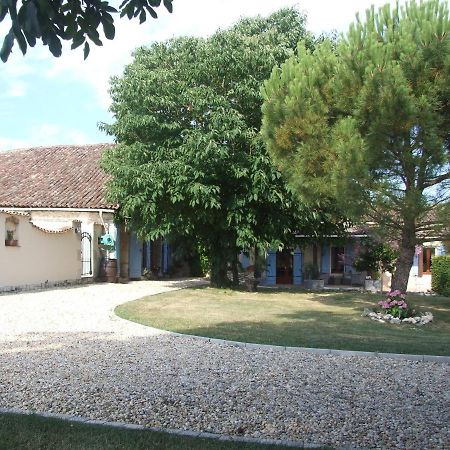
[39, 256]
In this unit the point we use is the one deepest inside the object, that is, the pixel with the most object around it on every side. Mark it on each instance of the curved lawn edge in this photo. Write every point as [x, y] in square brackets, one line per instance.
[318, 351]
[166, 321]
[173, 431]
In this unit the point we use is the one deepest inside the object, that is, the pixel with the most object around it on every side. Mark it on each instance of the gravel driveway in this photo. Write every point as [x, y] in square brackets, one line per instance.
[64, 351]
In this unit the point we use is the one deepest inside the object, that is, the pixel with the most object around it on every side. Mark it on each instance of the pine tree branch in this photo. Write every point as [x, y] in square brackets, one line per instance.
[437, 180]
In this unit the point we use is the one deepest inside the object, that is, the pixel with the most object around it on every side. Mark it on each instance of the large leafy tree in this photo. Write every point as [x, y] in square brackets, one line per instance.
[77, 21]
[366, 126]
[190, 161]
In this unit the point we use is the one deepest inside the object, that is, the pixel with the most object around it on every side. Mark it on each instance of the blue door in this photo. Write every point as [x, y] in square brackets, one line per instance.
[135, 256]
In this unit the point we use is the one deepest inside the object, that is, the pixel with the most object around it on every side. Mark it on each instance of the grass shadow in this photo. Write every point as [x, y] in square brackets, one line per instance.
[341, 332]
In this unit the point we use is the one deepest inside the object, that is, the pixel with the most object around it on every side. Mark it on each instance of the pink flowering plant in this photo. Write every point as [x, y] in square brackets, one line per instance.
[395, 305]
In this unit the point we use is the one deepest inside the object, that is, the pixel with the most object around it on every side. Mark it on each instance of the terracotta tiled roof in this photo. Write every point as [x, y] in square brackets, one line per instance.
[54, 177]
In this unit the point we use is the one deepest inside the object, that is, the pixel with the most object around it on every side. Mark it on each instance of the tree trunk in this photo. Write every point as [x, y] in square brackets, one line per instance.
[219, 276]
[406, 257]
[257, 271]
[235, 271]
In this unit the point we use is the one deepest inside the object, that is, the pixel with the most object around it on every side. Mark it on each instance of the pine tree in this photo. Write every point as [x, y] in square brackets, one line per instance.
[366, 126]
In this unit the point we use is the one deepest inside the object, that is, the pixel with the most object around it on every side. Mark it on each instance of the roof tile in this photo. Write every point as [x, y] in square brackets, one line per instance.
[54, 177]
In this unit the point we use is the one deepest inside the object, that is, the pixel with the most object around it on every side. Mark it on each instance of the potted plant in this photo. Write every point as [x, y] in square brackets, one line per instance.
[312, 277]
[10, 241]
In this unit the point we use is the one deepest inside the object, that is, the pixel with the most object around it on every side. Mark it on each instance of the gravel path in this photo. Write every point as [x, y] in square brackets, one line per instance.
[64, 351]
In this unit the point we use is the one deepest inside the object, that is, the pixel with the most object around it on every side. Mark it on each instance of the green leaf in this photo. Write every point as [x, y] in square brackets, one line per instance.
[108, 29]
[7, 46]
[94, 37]
[142, 17]
[108, 8]
[31, 19]
[3, 11]
[20, 38]
[77, 40]
[86, 50]
[54, 44]
[152, 12]
[107, 17]
[31, 39]
[168, 5]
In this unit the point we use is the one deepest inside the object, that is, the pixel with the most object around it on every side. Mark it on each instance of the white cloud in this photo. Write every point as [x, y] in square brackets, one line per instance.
[76, 137]
[16, 88]
[46, 134]
[103, 62]
[53, 134]
[14, 72]
[8, 144]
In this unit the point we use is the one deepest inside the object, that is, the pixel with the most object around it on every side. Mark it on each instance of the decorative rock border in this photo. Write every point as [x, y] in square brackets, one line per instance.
[380, 317]
[177, 432]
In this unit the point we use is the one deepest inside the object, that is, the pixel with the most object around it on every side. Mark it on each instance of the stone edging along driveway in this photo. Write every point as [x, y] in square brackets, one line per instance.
[321, 351]
[176, 432]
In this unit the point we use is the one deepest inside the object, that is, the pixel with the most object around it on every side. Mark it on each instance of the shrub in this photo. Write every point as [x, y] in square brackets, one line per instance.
[440, 280]
[375, 256]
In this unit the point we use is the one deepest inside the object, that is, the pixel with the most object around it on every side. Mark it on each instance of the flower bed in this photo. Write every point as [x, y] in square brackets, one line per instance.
[395, 309]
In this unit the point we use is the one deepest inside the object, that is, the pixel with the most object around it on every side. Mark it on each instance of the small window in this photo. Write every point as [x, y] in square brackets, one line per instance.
[11, 231]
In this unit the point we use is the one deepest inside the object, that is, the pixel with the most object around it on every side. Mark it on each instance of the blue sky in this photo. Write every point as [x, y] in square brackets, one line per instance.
[49, 101]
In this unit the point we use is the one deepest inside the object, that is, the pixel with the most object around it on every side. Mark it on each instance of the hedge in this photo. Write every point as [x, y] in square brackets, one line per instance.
[440, 280]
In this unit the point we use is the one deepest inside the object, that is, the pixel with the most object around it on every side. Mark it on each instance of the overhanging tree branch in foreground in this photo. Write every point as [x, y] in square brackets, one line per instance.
[76, 21]
[366, 126]
[191, 163]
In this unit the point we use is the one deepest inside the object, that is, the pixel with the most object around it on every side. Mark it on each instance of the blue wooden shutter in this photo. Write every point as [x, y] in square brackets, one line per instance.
[325, 258]
[169, 257]
[135, 256]
[298, 266]
[415, 266]
[165, 257]
[117, 249]
[349, 252]
[148, 256]
[271, 267]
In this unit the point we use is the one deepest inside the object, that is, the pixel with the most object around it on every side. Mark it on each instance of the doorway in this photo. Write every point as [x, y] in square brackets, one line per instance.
[427, 254]
[86, 254]
[285, 264]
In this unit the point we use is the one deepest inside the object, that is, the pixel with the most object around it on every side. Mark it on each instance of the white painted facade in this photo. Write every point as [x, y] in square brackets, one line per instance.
[47, 245]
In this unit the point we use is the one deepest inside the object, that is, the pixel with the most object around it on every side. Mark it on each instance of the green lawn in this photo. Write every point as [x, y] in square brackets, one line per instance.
[293, 318]
[36, 433]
